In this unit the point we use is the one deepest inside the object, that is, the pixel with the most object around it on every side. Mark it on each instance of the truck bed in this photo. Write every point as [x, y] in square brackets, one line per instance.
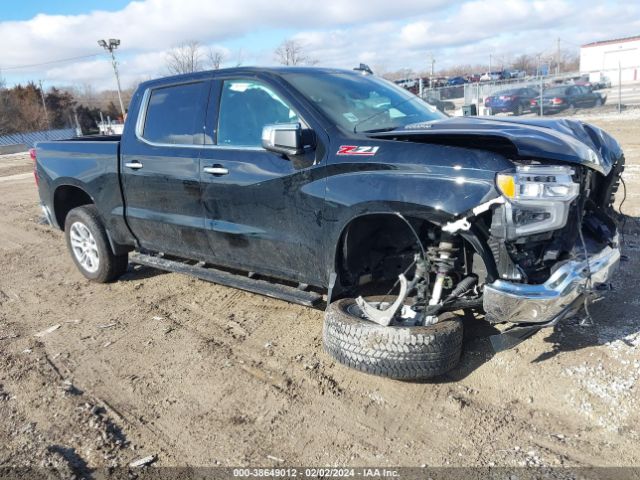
[90, 164]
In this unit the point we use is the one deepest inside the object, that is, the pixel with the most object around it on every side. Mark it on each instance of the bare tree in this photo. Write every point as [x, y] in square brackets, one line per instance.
[524, 63]
[185, 58]
[6, 108]
[401, 74]
[215, 58]
[291, 52]
[239, 57]
[569, 61]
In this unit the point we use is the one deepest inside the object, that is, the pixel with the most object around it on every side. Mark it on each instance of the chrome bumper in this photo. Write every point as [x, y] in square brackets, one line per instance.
[519, 303]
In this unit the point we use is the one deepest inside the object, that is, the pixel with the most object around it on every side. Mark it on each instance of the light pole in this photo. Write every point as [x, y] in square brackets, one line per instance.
[110, 46]
[433, 66]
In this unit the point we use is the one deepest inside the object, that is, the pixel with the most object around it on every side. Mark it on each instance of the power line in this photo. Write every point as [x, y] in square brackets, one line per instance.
[62, 60]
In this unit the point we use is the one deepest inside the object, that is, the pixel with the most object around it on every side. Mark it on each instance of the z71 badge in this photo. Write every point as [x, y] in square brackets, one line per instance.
[357, 150]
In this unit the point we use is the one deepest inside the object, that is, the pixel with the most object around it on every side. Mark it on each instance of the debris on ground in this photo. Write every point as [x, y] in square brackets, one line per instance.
[108, 325]
[141, 462]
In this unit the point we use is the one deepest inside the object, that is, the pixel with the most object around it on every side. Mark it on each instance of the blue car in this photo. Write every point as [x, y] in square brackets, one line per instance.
[456, 81]
[516, 101]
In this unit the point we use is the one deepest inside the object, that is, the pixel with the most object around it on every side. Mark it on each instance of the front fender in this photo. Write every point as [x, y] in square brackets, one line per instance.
[438, 196]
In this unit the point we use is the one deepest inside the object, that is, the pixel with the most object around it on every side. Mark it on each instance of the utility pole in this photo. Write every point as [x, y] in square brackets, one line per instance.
[44, 106]
[619, 86]
[110, 46]
[558, 58]
[433, 64]
[541, 85]
[490, 63]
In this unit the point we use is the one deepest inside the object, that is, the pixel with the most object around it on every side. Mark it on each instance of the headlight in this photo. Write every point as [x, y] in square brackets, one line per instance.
[538, 182]
[538, 199]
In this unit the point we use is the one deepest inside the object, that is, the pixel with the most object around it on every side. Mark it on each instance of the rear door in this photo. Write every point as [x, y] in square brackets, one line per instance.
[263, 210]
[589, 97]
[161, 170]
[575, 96]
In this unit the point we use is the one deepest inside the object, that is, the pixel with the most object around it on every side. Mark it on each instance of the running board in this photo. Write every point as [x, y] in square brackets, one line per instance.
[262, 287]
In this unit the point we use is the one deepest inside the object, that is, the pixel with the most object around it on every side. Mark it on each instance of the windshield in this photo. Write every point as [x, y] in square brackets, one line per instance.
[362, 103]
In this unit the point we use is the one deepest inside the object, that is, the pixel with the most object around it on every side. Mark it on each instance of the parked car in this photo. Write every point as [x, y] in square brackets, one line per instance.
[303, 182]
[407, 83]
[440, 104]
[456, 81]
[490, 76]
[515, 100]
[557, 99]
[599, 81]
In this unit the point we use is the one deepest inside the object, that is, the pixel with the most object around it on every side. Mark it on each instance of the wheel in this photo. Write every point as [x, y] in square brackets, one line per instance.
[572, 106]
[598, 102]
[401, 352]
[89, 246]
[518, 111]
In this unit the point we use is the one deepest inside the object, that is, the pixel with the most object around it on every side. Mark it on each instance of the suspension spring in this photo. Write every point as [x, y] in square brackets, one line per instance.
[443, 258]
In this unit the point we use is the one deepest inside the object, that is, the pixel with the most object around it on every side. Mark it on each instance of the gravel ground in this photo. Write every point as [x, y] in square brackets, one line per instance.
[196, 374]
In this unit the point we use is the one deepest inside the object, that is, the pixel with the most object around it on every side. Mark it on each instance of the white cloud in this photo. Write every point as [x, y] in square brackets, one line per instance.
[394, 34]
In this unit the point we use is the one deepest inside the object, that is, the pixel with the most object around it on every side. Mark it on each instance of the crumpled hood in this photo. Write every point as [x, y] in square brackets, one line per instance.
[569, 141]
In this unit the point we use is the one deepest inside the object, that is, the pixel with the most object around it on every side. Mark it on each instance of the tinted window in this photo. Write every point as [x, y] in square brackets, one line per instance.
[175, 114]
[362, 102]
[557, 91]
[246, 106]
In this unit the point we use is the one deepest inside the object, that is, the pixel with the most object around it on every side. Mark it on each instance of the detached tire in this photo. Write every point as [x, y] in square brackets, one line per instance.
[404, 353]
[89, 247]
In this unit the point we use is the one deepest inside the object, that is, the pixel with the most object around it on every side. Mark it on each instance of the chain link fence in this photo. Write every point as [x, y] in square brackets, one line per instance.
[30, 138]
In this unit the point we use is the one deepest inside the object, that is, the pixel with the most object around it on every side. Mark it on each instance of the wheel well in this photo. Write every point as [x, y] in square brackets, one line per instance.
[65, 199]
[378, 247]
[375, 249]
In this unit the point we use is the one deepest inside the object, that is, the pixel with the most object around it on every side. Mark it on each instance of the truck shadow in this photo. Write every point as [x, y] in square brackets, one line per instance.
[476, 348]
[140, 272]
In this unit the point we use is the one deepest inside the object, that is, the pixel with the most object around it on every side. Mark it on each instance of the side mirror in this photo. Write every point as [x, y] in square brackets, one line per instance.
[284, 138]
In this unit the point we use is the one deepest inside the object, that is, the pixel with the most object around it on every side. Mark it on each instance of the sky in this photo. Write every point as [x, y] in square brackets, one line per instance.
[56, 42]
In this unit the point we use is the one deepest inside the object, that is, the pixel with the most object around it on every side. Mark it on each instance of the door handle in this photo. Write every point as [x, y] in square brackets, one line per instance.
[216, 170]
[134, 165]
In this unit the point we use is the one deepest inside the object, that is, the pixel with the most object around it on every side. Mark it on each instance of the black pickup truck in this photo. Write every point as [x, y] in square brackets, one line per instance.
[322, 186]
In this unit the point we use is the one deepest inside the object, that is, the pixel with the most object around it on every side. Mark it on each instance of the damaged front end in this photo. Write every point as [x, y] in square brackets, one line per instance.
[552, 238]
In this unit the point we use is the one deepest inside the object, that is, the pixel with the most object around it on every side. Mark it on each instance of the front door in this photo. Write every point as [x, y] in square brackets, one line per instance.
[262, 209]
[161, 170]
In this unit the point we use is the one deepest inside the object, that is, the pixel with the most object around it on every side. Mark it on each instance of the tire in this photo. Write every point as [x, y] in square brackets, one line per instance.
[519, 110]
[84, 232]
[404, 353]
[598, 102]
[572, 106]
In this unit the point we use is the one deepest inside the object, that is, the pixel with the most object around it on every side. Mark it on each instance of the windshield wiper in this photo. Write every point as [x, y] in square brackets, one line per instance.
[379, 130]
[355, 127]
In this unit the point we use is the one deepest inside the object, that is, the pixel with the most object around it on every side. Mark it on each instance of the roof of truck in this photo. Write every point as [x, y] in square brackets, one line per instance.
[244, 71]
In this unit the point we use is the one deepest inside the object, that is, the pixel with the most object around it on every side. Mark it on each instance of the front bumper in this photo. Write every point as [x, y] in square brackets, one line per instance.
[549, 302]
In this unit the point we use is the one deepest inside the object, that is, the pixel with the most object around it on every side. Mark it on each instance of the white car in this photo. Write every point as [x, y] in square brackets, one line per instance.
[489, 76]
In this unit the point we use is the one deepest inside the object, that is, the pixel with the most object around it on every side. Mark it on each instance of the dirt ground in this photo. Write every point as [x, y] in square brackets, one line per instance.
[202, 375]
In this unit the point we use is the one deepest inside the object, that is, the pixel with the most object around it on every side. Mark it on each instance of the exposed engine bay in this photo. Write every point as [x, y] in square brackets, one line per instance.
[547, 219]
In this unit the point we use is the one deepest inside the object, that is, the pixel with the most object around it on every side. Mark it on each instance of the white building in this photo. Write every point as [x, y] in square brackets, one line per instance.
[611, 59]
